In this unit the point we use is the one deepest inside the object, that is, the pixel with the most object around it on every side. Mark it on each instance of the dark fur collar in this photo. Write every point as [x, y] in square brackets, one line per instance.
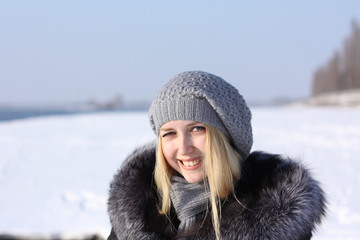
[279, 200]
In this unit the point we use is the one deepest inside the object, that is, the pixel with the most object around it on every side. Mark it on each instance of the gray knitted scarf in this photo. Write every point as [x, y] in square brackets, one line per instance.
[189, 200]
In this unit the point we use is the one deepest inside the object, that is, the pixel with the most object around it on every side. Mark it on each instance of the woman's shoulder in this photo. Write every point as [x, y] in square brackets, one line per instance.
[135, 173]
[280, 198]
[132, 198]
[264, 171]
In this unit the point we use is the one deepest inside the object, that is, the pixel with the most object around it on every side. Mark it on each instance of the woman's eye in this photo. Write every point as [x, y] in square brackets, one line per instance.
[168, 134]
[198, 128]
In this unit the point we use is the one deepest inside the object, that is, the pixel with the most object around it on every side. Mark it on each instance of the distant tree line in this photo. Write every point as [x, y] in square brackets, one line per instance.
[342, 71]
[113, 104]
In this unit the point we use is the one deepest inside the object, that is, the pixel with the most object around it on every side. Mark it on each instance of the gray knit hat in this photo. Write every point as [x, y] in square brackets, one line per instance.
[206, 98]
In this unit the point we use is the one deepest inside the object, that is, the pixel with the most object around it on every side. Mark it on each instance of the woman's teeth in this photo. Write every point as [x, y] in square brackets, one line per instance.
[190, 163]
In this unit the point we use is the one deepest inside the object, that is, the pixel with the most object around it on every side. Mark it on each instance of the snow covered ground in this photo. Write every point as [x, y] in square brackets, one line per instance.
[55, 171]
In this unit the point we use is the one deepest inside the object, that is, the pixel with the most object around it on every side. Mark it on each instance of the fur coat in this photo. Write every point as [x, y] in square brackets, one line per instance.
[276, 199]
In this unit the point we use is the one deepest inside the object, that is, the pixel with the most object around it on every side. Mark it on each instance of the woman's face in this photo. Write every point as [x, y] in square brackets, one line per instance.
[183, 145]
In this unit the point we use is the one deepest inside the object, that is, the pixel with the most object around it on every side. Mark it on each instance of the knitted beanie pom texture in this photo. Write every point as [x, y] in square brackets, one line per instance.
[207, 98]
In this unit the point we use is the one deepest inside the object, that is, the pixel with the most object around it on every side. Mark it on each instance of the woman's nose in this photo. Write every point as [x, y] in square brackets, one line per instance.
[185, 145]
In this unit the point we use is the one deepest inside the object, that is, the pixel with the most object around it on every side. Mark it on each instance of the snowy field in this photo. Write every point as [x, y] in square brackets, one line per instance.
[55, 171]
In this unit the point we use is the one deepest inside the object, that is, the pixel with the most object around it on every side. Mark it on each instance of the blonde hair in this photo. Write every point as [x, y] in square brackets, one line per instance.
[222, 167]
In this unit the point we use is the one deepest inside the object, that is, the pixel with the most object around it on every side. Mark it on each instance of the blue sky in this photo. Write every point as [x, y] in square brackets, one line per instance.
[72, 51]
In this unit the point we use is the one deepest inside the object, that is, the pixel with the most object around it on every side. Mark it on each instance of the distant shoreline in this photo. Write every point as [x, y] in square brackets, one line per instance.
[18, 114]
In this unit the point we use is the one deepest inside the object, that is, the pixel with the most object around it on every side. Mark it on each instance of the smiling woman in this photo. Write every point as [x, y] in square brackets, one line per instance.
[200, 180]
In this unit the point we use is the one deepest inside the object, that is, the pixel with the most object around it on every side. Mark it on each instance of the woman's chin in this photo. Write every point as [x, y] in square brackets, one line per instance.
[194, 178]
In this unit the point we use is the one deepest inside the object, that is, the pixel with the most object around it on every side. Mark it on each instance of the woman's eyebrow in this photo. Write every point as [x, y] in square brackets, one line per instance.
[165, 129]
[194, 124]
